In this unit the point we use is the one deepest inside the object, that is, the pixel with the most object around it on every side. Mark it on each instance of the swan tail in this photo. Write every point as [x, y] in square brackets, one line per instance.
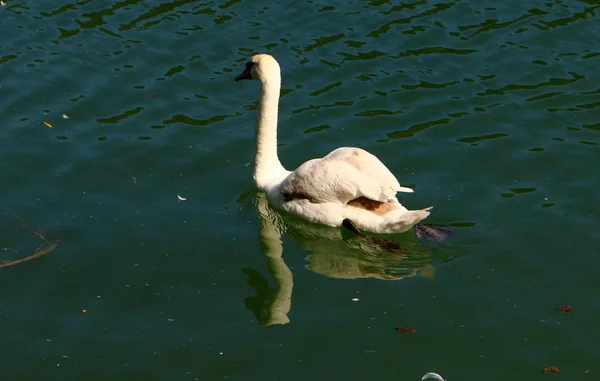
[399, 223]
[405, 189]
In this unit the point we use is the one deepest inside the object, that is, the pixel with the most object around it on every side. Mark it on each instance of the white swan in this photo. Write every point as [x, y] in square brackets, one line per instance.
[348, 187]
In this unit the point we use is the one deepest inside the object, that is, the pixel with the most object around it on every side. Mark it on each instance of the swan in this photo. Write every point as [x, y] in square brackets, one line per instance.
[348, 187]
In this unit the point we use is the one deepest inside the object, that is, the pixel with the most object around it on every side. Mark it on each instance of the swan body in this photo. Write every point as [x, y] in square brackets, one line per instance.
[348, 183]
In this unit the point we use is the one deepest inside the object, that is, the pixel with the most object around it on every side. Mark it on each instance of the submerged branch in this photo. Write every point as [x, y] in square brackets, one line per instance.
[45, 248]
[36, 232]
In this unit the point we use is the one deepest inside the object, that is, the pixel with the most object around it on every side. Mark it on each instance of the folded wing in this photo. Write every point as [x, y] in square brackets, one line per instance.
[343, 175]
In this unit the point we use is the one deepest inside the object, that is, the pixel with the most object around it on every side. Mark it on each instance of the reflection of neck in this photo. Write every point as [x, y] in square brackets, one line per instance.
[266, 162]
[270, 238]
[282, 301]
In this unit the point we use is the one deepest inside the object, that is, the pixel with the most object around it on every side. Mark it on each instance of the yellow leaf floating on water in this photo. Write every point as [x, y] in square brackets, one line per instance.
[47, 124]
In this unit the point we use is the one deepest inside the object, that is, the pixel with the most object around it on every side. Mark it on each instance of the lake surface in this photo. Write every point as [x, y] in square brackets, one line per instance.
[112, 109]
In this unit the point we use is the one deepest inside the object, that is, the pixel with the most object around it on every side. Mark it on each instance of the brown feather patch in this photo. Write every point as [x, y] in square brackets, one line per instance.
[376, 207]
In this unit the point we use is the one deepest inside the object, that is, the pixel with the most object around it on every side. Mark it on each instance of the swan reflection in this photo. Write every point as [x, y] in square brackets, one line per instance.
[333, 252]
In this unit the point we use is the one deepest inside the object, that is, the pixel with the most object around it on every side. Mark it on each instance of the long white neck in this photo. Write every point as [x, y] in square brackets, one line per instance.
[267, 163]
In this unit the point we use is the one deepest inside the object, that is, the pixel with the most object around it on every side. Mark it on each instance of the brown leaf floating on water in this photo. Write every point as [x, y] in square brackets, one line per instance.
[550, 369]
[405, 329]
[566, 308]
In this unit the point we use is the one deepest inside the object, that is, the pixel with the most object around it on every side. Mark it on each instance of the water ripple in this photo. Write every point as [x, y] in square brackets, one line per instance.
[436, 50]
[476, 139]
[385, 28]
[490, 110]
[412, 130]
[549, 83]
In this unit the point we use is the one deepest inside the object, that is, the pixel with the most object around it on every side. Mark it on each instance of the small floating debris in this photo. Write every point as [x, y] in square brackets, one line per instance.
[47, 124]
[65, 116]
[550, 369]
[2, 3]
[405, 329]
[355, 299]
[181, 198]
[435, 376]
[565, 309]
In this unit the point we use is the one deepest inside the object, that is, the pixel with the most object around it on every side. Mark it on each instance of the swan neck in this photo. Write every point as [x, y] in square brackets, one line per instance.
[267, 163]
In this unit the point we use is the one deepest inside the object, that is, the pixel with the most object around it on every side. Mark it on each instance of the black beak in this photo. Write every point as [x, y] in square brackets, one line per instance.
[247, 72]
[244, 75]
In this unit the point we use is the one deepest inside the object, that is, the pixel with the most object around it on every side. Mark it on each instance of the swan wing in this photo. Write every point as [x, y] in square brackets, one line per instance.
[343, 175]
[372, 167]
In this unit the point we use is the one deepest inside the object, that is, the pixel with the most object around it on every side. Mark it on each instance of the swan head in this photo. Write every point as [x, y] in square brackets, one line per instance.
[262, 67]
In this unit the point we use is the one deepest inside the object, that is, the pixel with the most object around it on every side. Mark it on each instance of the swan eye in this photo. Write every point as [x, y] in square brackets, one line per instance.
[249, 64]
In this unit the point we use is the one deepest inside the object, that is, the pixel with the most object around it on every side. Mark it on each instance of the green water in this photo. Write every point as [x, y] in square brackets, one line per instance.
[490, 110]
